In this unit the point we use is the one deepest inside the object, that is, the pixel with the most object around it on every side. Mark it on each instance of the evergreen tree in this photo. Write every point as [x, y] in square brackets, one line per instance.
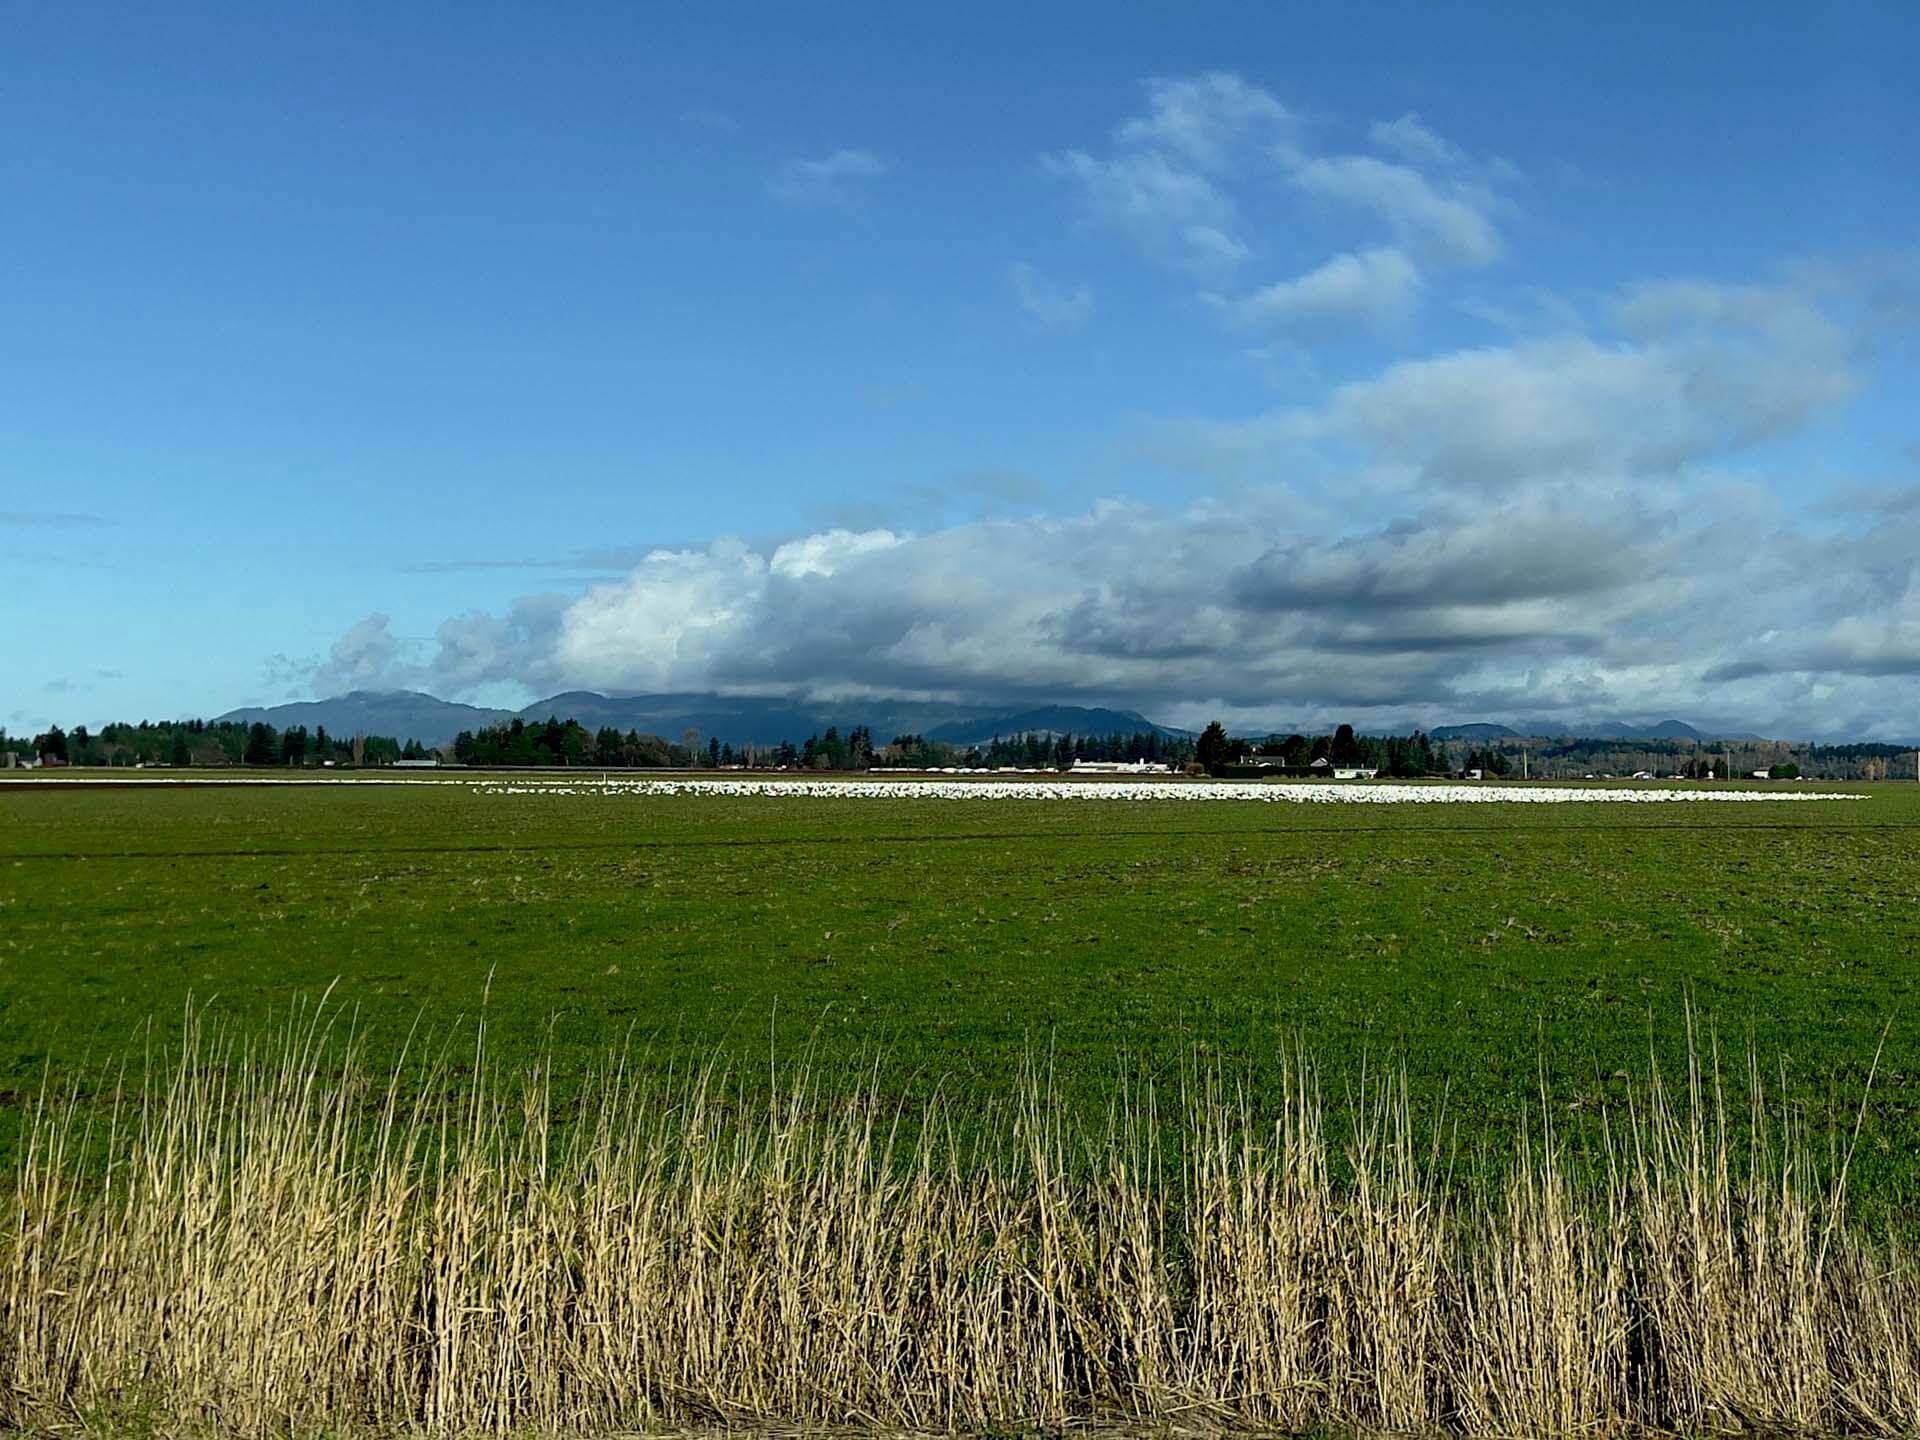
[1344, 750]
[260, 748]
[1213, 748]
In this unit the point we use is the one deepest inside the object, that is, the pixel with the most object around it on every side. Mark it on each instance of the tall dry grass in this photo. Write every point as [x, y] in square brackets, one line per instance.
[279, 1243]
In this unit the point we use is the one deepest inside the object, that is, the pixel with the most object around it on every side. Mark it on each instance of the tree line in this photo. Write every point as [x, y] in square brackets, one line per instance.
[567, 742]
[206, 744]
[1694, 759]
[1418, 754]
[1404, 756]
[556, 742]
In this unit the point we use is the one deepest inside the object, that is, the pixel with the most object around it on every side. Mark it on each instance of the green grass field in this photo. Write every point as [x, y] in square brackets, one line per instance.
[948, 942]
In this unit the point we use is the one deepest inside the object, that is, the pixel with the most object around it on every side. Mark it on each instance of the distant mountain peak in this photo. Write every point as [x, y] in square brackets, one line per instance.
[1476, 730]
[401, 714]
[1588, 730]
[1051, 720]
[737, 720]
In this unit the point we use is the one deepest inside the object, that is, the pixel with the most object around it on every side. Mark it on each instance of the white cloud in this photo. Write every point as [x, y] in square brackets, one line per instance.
[1848, 617]
[1172, 214]
[1378, 288]
[658, 628]
[1452, 227]
[478, 650]
[1120, 602]
[1190, 179]
[828, 552]
[1163, 184]
[1211, 249]
[1413, 142]
[1581, 598]
[828, 179]
[1204, 119]
[367, 657]
[1049, 307]
[1702, 371]
[1542, 529]
[1527, 310]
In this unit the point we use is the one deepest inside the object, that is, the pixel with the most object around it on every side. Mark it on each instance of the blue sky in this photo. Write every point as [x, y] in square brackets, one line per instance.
[1398, 365]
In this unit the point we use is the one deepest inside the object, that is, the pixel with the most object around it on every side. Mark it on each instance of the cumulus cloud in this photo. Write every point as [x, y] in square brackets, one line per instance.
[1204, 119]
[1377, 288]
[1668, 394]
[1054, 308]
[1550, 528]
[1691, 371]
[1494, 416]
[1164, 181]
[368, 657]
[1572, 600]
[519, 648]
[1451, 226]
[828, 179]
[1173, 214]
[1543, 602]
[1182, 179]
[1545, 546]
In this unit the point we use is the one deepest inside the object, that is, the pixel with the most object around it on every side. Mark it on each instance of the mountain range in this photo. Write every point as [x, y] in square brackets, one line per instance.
[737, 720]
[402, 714]
[1587, 730]
[746, 720]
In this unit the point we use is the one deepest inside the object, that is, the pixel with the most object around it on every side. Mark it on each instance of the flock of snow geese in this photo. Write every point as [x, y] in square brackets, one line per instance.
[1190, 791]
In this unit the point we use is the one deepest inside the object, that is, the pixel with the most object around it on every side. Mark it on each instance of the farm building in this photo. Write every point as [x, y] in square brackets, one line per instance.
[1324, 766]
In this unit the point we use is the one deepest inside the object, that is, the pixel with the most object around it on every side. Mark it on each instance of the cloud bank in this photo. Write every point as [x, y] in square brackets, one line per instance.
[1583, 522]
[1548, 528]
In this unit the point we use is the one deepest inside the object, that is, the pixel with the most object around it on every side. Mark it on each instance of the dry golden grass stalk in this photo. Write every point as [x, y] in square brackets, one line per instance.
[276, 1243]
